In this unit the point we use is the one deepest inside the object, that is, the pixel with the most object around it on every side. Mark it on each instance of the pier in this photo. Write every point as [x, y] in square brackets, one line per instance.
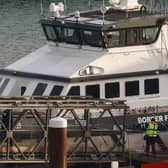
[24, 129]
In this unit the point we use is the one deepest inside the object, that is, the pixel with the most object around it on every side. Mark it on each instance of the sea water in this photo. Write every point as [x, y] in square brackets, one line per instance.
[20, 30]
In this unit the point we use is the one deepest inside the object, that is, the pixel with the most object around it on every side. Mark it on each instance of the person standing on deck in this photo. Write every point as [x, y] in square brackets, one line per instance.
[151, 136]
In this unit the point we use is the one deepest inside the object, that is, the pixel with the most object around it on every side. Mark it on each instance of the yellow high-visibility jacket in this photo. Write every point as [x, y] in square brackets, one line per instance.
[152, 130]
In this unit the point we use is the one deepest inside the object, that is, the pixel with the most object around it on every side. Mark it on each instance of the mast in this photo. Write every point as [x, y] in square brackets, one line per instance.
[41, 8]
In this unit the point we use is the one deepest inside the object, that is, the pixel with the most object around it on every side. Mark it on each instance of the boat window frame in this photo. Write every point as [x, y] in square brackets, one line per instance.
[139, 41]
[156, 37]
[97, 86]
[65, 38]
[112, 90]
[79, 34]
[4, 85]
[71, 90]
[37, 91]
[22, 90]
[91, 44]
[46, 34]
[129, 40]
[56, 90]
[129, 91]
[150, 90]
[1, 80]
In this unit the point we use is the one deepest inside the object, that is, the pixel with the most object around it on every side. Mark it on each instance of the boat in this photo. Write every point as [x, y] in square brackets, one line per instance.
[117, 52]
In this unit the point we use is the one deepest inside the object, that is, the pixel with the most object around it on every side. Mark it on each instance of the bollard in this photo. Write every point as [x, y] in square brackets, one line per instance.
[114, 164]
[57, 142]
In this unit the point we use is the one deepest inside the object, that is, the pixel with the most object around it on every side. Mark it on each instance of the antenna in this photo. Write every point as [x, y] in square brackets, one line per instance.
[90, 3]
[151, 5]
[65, 4]
[41, 8]
[103, 10]
[165, 5]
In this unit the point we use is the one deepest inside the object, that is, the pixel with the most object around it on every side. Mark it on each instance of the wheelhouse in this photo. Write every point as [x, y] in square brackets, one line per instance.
[107, 33]
[73, 33]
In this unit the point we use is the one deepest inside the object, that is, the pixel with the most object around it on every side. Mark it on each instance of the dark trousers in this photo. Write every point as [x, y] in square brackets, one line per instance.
[150, 142]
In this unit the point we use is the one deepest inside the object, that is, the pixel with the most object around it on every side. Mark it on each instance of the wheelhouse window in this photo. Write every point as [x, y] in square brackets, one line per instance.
[132, 88]
[23, 89]
[93, 90]
[112, 90]
[74, 91]
[113, 38]
[151, 86]
[92, 38]
[70, 35]
[39, 90]
[4, 85]
[56, 90]
[50, 33]
[73, 35]
[149, 34]
[131, 36]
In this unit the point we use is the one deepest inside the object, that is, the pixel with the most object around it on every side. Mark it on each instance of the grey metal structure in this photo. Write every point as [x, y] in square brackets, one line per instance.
[24, 128]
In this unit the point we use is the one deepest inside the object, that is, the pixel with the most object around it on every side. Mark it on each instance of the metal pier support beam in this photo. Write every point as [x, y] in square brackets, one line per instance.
[57, 143]
[89, 135]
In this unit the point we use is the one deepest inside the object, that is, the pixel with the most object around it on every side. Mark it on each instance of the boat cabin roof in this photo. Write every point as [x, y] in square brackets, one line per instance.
[83, 54]
[113, 19]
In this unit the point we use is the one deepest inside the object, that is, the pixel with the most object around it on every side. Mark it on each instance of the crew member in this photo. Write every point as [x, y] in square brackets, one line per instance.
[151, 136]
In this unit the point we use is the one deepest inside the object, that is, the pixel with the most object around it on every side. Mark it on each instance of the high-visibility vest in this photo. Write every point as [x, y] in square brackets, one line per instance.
[152, 130]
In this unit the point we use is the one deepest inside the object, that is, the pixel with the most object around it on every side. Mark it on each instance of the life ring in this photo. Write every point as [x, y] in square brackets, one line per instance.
[143, 9]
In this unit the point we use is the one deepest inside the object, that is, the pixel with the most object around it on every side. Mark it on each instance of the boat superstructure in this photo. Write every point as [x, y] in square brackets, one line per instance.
[116, 52]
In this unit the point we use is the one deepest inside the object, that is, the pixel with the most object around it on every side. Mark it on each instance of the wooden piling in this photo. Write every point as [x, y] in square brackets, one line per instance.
[57, 140]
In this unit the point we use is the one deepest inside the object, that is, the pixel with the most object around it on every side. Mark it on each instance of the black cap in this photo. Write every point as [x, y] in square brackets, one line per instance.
[153, 119]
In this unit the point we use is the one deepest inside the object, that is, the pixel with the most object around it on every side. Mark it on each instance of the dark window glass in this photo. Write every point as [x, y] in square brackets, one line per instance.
[74, 91]
[50, 32]
[93, 90]
[92, 38]
[56, 90]
[23, 89]
[3, 86]
[131, 37]
[115, 38]
[112, 90]
[151, 86]
[127, 37]
[149, 34]
[132, 88]
[70, 36]
[39, 90]
[112, 38]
